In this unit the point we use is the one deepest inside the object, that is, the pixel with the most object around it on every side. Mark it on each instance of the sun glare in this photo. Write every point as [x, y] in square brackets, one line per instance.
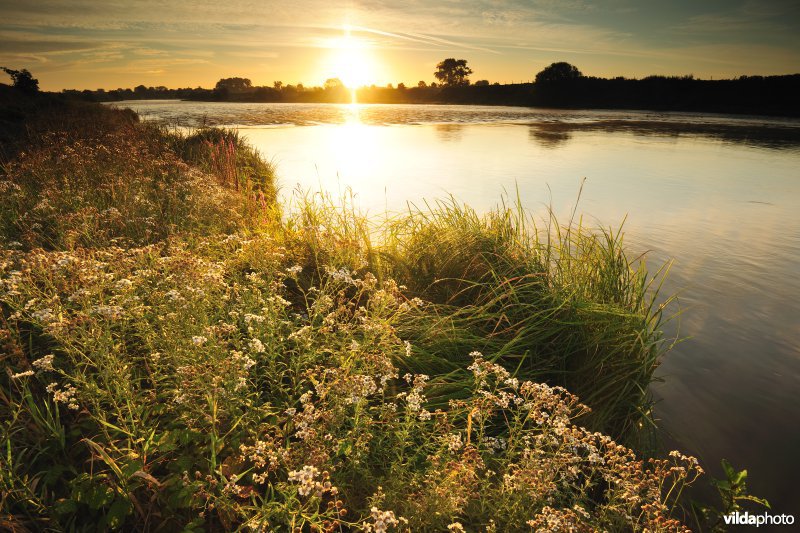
[351, 61]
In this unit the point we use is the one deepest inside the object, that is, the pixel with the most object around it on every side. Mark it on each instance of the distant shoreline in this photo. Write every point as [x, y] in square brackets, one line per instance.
[747, 95]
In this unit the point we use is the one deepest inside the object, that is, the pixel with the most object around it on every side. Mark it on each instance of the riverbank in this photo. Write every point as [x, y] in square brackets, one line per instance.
[180, 352]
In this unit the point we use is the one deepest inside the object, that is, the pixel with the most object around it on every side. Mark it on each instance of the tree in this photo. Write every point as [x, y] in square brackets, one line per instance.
[234, 84]
[482, 83]
[422, 84]
[22, 80]
[332, 84]
[451, 72]
[558, 73]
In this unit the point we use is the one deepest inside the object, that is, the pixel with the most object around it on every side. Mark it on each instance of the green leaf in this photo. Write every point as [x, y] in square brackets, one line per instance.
[119, 510]
[99, 496]
[131, 468]
[65, 507]
[729, 470]
[345, 448]
[722, 485]
[756, 499]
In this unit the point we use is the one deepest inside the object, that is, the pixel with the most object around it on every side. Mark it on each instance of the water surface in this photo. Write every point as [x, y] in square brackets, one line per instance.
[719, 195]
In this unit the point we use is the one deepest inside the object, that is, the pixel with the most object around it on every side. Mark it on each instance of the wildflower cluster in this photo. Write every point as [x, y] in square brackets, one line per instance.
[313, 377]
[381, 521]
[65, 395]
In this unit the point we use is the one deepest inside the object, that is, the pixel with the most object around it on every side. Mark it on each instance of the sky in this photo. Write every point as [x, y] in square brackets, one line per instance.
[90, 44]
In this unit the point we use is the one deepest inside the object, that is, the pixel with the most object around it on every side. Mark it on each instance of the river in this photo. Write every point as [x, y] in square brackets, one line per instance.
[718, 195]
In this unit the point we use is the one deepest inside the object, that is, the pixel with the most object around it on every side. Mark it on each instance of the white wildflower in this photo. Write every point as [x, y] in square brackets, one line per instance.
[256, 346]
[305, 477]
[172, 295]
[107, 311]
[454, 442]
[279, 301]
[381, 521]
[45, 363]
[78, 295]
[342, 275]
[123, 284]
[497, 444]
[44, 316]
[65, 395]
[249, 317]
[361, 387]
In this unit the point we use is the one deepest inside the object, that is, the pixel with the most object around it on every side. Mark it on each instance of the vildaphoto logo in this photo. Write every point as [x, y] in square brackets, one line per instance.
[764, 519]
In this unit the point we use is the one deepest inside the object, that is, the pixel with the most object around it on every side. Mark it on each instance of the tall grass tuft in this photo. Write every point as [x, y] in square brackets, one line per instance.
[559, 303]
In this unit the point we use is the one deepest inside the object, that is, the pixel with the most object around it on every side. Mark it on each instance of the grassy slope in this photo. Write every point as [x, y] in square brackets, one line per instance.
[179, 356]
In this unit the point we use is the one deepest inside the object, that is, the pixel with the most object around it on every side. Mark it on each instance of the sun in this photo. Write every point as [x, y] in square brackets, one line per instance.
[351, 60]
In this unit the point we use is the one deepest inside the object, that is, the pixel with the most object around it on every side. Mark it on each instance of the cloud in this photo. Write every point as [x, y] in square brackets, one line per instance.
[160, 64]
[255, 54]
[148, 52]
[505, 37]
[432, 42]
[749, 18]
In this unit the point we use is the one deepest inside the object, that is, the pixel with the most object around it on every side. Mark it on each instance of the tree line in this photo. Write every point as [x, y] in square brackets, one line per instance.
[559, 85]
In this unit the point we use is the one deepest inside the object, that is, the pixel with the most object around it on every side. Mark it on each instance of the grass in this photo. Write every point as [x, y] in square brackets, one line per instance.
[562, 304]
[180, 355]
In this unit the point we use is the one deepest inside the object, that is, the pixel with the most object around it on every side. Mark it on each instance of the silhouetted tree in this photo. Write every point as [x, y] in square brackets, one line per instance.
[558, 72]
[333, 83]
[482, 83]
[422, 84]
[22, 80]
[451, 72]
[234, 84]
